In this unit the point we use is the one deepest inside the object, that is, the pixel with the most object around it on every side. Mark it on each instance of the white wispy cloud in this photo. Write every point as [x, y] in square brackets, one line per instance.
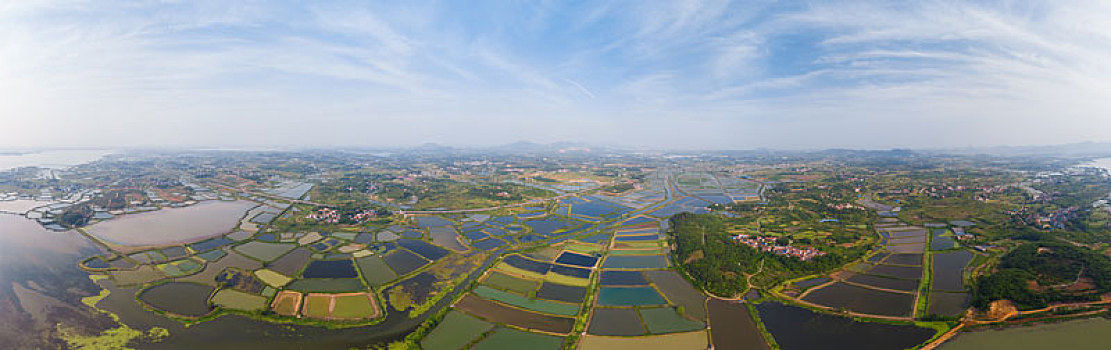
[686, 74]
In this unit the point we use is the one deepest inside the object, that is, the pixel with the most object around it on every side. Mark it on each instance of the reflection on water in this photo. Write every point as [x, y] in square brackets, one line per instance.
[1089, 333]
[1102, 163]
[41, 285]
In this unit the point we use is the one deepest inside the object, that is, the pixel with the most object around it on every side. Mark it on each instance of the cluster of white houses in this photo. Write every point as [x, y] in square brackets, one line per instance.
[768, 244]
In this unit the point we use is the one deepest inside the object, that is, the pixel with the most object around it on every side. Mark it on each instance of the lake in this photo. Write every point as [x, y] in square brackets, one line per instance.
[173, 225]
[50, 159]
[1083, 334]
[1102, 163]
[41, 284]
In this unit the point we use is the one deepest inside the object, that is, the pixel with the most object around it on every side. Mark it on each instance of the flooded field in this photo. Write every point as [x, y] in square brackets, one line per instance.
[330, 269]
[559, 292]
[173, 225]
[948, 304]
[908, 285]
[663, 320]
[403, 261]
[629, 296]
[422, 248]
[948, 270]
[732, 327]
[798, 328]
[508, 338]
[265, 251]
[506, 282]
[499, 313]
[186, 299]
[446, 237]
[904, 259]
[291, 263]
[863, 300]
[576, 259]
[539, 305]
[635, 262]
[455, 331]
[375, 271]
[1086, 334]
[616, 322]
[896, 271]
[680, 292]
[623, 278]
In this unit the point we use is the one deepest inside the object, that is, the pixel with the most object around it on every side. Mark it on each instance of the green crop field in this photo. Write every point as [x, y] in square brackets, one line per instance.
[234, 299]
[526, 303]
[512, 339]
[455, 331]
[351, 307]
[509, 283]
[667, 320]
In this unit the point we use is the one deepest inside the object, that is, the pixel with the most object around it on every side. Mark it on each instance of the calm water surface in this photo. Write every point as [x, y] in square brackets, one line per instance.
[50, 159]
[1093, 333]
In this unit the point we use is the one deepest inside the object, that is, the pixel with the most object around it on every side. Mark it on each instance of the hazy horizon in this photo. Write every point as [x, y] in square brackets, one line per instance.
[662, 75]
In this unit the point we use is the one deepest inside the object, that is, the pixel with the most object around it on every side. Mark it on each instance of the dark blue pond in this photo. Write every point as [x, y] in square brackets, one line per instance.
[571, 271]
[546, 227]
[403, 261]
[425, 249]
[570, 258]
[96, 262]
[554, 291]
[593, 209]
[330, 269]
[521, 262]
[475, 235]
[210, 244]
[174, 252]
[496, 231]
[471, 225]
[488, 244]
[623, 278]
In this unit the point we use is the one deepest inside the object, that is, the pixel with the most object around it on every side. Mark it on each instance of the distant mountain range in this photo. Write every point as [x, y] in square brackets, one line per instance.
[1072, 150]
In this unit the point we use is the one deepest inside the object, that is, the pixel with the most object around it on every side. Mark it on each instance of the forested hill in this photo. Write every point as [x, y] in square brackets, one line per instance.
[706, 252]
[1036, 274]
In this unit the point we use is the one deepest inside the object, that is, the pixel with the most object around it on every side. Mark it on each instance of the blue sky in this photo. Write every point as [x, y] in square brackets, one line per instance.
[652, 74]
